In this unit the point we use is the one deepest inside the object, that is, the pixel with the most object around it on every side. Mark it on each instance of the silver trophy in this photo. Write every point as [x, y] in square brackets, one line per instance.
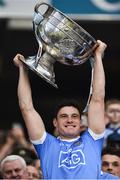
[59, 39]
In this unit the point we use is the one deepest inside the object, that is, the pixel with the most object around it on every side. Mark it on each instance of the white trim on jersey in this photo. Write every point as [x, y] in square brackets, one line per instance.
[41, 140]
[96, 136]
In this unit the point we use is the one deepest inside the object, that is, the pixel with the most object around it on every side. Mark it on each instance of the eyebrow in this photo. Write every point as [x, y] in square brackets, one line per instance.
[110, 162]
[64, 114]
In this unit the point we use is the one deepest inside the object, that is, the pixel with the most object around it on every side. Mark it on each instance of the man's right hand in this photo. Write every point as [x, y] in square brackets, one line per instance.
[17, 60]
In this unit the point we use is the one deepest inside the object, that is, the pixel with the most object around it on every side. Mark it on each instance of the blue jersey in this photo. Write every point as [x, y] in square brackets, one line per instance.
[78, 159]
[105, 175]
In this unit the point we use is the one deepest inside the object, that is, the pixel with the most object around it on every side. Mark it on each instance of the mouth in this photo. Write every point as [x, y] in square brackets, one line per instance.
[73, 126]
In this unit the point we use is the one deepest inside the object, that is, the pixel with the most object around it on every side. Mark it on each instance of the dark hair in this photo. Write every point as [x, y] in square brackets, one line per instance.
[113, 140]
[66, 102]
[111, 101]
[111, 151]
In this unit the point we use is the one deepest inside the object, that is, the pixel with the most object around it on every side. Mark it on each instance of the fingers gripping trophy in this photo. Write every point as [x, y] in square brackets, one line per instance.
[59, 39]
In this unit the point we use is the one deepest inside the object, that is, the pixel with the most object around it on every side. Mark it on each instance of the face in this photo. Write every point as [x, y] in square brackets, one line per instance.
[32, 172]
[68, 122]
[113, 113]
[111, 164]
[14, 170]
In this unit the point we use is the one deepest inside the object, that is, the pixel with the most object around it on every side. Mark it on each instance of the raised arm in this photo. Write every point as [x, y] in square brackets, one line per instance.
[33, 121]
[96, 120]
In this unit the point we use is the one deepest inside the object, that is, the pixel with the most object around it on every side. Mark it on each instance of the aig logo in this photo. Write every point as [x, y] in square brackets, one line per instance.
[107, 5]
[71, 159]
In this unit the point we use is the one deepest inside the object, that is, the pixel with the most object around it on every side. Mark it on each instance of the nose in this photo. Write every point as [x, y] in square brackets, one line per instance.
[110, 168]
[116, 117]
[115, 114]
[14, 174]
[69, 119]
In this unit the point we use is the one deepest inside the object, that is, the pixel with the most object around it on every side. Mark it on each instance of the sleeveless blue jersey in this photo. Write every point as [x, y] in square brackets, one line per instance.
[79, 159]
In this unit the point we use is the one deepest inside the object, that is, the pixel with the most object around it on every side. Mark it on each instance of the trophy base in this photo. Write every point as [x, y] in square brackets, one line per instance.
[40, 71]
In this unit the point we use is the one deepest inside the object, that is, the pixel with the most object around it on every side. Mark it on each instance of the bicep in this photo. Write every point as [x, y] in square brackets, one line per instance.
[96, 120]
[34, 124]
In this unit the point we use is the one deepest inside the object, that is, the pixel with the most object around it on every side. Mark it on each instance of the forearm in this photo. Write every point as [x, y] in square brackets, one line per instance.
[24, 89]
[96, 107]
[98, 79]
[32, 119]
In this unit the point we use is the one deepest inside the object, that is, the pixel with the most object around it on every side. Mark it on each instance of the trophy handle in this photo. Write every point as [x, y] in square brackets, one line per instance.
[43, 11]
[38, 18]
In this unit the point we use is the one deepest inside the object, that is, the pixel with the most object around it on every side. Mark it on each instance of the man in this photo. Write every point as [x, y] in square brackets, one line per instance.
[70, 156]
[112, 114]
[33, 172]
[13, 167]
[112, 109]
[111, 161]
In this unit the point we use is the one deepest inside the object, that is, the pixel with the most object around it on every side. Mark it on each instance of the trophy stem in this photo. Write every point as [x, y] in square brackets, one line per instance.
[45, 68]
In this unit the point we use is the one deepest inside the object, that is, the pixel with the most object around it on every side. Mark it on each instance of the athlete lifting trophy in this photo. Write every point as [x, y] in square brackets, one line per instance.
[59, 39]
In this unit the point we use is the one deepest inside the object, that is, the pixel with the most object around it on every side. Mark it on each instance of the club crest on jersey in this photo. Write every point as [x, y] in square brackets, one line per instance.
[71, 159]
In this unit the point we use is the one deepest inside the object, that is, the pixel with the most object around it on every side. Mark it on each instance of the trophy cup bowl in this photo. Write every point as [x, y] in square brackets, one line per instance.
[59, 39]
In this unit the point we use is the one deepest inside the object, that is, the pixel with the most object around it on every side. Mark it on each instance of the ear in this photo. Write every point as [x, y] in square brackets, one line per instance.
[55, 122]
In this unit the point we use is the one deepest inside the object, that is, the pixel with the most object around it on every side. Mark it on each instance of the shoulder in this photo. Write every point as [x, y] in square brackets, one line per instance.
[106, 175]
[46, 137]
[93, 135]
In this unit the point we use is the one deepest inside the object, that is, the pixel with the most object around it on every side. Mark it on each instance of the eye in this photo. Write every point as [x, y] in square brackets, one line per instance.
[63, 116]
[115, 164]
[105, 164]
[75, 116]
[8, 172]
[17, 170]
